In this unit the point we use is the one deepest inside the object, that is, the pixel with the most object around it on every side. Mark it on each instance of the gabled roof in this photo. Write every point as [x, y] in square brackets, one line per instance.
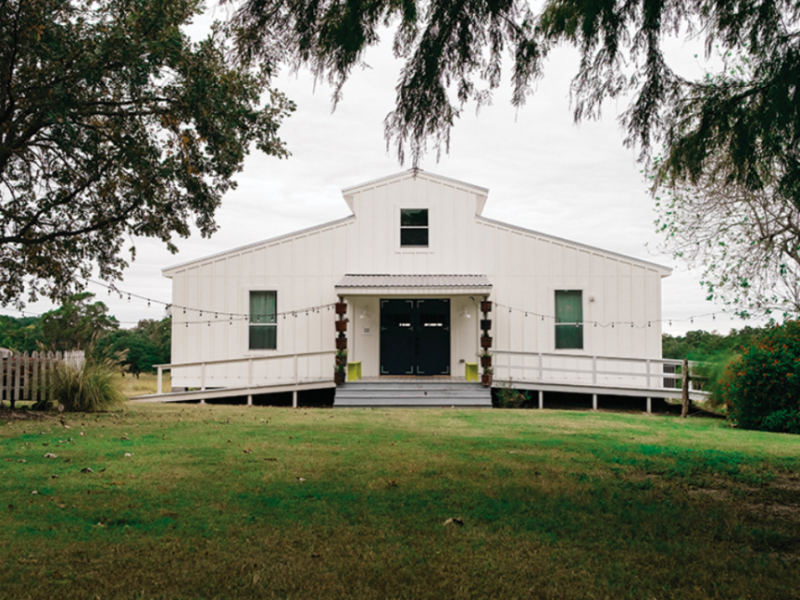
[481, 192]
[412, 173]
[665, 271]
[266, 242]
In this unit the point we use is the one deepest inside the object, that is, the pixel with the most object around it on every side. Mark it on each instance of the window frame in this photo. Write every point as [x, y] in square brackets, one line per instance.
[426, 228]
[561, 325]
[251, 324]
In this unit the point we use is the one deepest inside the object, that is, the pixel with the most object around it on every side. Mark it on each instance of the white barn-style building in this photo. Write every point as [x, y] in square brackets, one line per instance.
[413, 263]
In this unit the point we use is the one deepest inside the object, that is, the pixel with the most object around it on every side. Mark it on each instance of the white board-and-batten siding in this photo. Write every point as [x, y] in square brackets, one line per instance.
[524, 267]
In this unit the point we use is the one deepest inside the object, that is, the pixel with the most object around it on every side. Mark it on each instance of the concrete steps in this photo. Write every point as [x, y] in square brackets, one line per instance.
[412, 393]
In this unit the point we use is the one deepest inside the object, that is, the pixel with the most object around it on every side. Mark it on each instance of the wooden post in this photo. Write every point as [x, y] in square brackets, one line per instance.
[685, 389]
[3, 385]
[294, 399]
[26, 376]
[34, 376]
[649, 405]
[594, 401]
[541, 399]
[51, 367]
[17, 369]
[159, 385]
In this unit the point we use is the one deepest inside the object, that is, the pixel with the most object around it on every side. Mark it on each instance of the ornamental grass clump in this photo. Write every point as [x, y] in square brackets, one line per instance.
[90, 387]
[761, 387]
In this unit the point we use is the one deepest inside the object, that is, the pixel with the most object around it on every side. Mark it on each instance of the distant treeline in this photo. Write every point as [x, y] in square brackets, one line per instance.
[704, 345]
[80, 324]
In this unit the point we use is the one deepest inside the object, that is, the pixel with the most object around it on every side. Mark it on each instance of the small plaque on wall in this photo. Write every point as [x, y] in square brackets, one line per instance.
[366, 331]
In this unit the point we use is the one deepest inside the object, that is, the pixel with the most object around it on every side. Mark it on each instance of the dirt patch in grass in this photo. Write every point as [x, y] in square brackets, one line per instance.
[7, 414]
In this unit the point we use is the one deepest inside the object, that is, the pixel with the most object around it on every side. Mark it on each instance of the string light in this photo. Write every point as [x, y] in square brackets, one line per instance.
[317, 309]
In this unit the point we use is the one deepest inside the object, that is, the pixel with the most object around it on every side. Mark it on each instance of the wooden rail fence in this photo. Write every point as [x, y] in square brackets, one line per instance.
[27, 377]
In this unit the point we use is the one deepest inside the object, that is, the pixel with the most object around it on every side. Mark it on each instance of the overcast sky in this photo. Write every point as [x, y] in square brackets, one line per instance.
[543, 172]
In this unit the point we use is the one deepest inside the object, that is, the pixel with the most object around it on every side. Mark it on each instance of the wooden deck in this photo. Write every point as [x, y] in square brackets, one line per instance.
[534, 371]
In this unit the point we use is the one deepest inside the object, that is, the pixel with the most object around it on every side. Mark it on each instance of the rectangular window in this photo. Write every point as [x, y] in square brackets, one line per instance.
[569, 319]
[414, 227]
[263, 320]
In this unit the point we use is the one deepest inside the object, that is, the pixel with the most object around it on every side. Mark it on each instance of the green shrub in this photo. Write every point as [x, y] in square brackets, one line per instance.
[710, 376]
[508, 397]
[761, 387]
[92, 387]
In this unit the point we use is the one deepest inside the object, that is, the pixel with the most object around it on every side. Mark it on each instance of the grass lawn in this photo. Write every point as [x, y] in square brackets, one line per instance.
[187, 501]
[146, 383]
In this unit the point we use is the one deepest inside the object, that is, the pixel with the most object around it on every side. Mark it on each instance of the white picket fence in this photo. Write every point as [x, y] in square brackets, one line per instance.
[27, 377]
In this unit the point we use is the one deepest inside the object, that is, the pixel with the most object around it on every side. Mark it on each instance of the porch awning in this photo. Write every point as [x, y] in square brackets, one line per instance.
[419, 285]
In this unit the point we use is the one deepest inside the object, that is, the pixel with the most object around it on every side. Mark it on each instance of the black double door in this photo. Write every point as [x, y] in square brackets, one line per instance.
[415, 337]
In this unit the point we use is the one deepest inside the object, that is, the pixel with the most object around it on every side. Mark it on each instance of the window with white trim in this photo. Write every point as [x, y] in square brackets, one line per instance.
[263, 322]
[414, 227]
[569, 319]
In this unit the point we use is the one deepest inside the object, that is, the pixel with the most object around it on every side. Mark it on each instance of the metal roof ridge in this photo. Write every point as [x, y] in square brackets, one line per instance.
[415, 172]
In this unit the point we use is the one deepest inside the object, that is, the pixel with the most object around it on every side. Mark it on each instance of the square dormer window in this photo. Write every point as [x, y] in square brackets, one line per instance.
[414, 227]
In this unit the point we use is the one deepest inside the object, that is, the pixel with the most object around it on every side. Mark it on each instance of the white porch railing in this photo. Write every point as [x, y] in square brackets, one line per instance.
[248, 381]
[582, 369]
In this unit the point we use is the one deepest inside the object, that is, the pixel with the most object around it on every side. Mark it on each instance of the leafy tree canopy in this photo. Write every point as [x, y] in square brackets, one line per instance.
[132, 348]
[114, 125]
[20, 334]
[77, 323]
[705, 345]
[453, 51]
[747, 242]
